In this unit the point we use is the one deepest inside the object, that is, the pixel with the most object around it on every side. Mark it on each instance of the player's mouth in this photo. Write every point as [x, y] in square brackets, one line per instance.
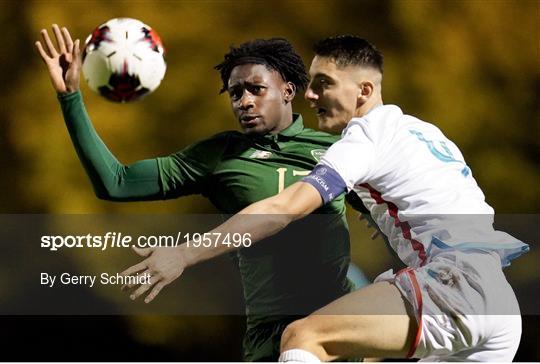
[321, 112]
[249, 120]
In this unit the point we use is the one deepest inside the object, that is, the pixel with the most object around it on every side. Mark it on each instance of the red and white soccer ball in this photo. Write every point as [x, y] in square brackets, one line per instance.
[123, 60]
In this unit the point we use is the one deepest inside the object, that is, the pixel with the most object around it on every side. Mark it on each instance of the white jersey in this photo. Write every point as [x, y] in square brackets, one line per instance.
[416, 185]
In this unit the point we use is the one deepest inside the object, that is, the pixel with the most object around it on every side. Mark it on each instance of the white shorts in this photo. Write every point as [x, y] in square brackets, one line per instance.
[465, 308]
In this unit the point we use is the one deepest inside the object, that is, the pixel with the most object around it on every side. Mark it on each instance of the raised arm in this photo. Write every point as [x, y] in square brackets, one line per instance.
[259, 220]
[111, 179]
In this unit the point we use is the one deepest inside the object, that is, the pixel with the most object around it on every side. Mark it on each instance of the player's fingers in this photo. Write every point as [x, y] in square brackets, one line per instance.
[50, 47]
[375, 235]
[134, 269]
[68, 40]
[143, 288]
[76, 53]
[143, 252]
[155, 291]
[59, 39]
[129, 286]
[125, 287]
[44, 56]
[361, 217]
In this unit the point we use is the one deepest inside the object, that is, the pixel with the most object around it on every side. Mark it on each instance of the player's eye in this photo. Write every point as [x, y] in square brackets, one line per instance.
[235, 93]
[319, 84]
[256, 89]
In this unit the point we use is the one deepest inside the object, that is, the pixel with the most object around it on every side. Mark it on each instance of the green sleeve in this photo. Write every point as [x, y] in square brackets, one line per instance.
[190, 170]
[111, 179]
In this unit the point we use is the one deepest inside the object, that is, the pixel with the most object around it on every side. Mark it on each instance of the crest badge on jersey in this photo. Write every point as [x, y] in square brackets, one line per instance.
[261, 154]
[317, 154]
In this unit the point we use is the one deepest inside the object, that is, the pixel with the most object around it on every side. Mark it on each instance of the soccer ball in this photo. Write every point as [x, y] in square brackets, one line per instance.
[123, 60]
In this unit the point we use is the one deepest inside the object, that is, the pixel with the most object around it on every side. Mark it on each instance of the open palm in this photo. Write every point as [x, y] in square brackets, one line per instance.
[64, 63]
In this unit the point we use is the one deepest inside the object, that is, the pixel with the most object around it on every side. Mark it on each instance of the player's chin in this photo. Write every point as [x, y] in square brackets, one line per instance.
[329, 124]
[324, 123]
[258, 129]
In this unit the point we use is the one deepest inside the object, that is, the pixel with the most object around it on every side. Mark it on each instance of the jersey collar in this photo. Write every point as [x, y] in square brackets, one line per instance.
[292, 130]
[295, 128]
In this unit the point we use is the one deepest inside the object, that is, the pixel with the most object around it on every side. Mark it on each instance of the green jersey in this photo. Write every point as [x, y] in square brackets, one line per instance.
[298, 270]
[292, 273]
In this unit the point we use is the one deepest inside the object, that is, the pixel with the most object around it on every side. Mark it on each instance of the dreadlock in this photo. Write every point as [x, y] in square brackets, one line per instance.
[275, 53]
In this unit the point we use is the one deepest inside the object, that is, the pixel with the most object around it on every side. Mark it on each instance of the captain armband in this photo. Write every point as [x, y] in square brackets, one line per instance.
[327, 181]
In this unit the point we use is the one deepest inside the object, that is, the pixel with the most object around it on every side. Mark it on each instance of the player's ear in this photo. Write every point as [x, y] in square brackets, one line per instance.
[365, 91]
[289, 91]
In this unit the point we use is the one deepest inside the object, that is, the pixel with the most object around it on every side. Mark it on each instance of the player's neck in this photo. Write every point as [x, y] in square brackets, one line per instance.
[286, 121]
[369, 105]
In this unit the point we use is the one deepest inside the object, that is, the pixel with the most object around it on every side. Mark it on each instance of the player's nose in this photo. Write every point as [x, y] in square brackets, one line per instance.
[246, 101]
[310, 95]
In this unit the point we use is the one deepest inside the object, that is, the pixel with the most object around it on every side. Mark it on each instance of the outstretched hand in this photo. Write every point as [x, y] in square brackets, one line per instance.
[64, 63]
[162, 264]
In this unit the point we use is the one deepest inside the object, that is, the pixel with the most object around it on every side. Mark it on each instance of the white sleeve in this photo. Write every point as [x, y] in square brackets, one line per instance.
[352, 157]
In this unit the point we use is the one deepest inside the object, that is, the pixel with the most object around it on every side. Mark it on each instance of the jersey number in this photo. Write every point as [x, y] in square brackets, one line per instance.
[281, 176]
[445, 155]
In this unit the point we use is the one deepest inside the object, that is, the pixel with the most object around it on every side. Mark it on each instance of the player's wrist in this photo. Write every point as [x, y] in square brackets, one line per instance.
[68, 93]
[72, 89]
[193, 253]
[188, 254]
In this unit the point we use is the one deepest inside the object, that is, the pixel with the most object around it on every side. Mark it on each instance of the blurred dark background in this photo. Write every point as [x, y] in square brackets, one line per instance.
[471, 67]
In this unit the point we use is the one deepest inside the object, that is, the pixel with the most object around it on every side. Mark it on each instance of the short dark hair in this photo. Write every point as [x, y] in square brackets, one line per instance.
[275, 53]
[348, 50]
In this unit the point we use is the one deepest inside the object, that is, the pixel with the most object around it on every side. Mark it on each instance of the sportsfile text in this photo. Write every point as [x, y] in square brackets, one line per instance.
[120, 240]
[110, 239]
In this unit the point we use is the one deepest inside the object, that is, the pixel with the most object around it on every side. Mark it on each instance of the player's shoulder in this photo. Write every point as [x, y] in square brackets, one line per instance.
[318, 135]
[388, 118]
[227, 134]
[223, 138]
[416, 126]
[214, 145]
[381, 115]
[381, 119]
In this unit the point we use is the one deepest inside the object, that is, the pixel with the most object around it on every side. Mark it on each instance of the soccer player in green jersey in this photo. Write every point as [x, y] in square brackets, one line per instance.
[283, 277]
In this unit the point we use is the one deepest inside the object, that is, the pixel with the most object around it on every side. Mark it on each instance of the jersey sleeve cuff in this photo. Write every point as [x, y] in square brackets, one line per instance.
[327, 181]
[69, 96]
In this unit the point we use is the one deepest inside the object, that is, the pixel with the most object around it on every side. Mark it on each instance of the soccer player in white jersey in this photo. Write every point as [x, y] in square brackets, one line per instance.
[453, 301]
